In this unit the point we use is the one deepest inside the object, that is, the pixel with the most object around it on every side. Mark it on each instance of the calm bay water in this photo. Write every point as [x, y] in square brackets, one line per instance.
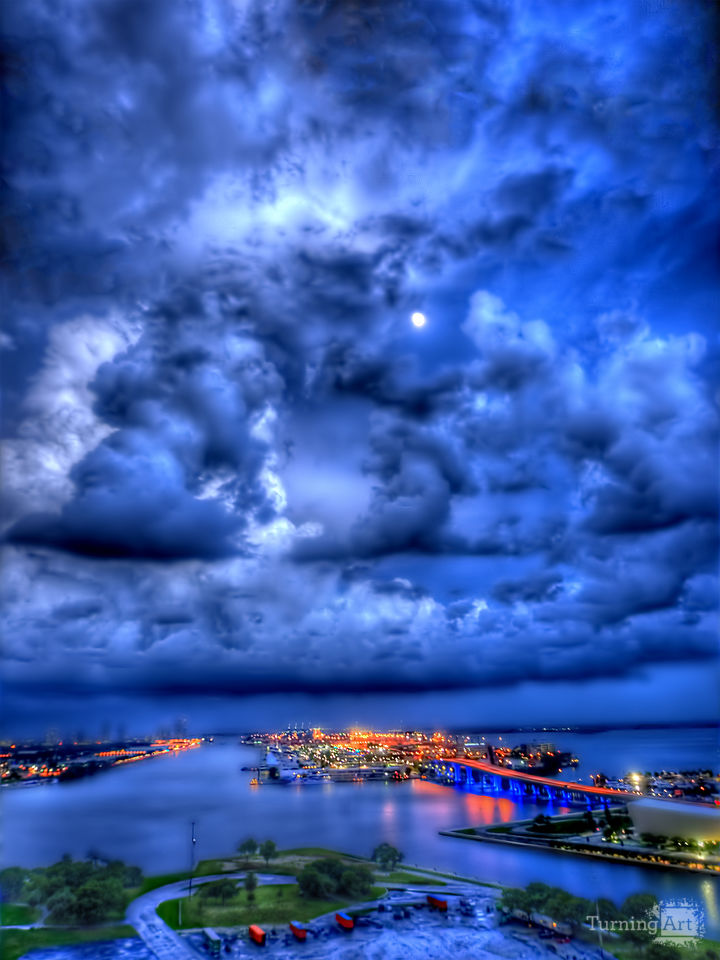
[141, 813]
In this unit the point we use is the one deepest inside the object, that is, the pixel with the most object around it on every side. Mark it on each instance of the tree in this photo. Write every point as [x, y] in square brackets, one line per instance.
[250, 885]
[61, 907]
[12, 882]
[639, 905]
[248, 848]
[218, 890]
[98, 900]
[355, 882]
[539, 894]
[607, 910]
[514, 898]
[268, 850]
[386, 856]
[35, 893]
[331, 866]
[576, 911]
[662, 951]
[639, 910]
[314, 883]
[133, 877]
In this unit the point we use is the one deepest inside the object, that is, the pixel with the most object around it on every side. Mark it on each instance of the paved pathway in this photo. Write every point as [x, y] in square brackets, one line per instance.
[158, 936]
[166, 944]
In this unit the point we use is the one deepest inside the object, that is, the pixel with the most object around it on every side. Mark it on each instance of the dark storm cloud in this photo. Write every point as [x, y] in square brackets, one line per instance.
[181, 411]
[393, 383]
[227, 440]
[539, 586]
[128, 506]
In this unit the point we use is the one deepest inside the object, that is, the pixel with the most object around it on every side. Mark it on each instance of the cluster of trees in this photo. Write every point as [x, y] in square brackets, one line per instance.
[250, 848]
[613, 825]
[12, 884]
[330, 877]
[75, 892]
[562, 907]
[387, 856]
[552, 902]
[685, 844]
[226, 889]
[218, 890]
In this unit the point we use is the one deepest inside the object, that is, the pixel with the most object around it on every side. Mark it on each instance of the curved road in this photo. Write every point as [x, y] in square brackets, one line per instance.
[167, 945]
[158, 936]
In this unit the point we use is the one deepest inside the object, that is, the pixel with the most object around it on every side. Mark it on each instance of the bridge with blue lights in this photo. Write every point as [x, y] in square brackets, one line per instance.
[488, 779]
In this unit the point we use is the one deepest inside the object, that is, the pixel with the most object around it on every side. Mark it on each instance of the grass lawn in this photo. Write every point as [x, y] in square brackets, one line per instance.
[14, 913]
[152, 883]
[401, 876]
[319, 852]
[461, 879]
[16, 943]
[235, 863]
[206, 868]
[274, 903]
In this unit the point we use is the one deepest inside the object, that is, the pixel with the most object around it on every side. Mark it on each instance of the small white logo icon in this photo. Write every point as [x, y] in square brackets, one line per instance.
[680, 920]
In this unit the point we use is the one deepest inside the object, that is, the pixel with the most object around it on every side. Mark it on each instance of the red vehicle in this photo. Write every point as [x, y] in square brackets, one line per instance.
[345, 920]
[298, 930]
[257, 934]
[436, 903]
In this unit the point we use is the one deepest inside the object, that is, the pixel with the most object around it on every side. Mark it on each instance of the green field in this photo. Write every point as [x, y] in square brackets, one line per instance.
[318, 852]
[477, 883]
[273, 904]
[16, 943]
[238, 864]
[401, 876]
[12, 914]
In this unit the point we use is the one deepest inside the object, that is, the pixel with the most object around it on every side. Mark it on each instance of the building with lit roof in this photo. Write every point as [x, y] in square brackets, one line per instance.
[675, 818]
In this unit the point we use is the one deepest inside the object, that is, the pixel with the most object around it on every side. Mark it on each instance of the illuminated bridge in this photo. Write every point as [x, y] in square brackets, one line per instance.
[486, 778]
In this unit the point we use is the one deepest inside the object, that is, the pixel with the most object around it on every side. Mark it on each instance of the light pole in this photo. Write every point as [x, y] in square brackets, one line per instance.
[602, 948]
[193, 841]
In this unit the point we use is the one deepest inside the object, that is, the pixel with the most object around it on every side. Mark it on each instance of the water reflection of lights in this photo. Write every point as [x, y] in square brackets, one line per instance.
[709, 891]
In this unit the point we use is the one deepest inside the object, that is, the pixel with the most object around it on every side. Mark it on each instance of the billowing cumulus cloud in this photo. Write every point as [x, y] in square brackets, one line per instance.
[226, 444]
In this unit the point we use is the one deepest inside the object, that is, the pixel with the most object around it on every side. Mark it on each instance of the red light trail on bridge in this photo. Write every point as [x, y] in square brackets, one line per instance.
[541, 781]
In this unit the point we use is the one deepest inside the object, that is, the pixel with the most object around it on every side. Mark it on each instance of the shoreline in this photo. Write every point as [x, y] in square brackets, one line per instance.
[566, 847]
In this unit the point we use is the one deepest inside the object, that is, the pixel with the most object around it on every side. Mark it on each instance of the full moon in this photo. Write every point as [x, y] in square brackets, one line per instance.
[418, 319]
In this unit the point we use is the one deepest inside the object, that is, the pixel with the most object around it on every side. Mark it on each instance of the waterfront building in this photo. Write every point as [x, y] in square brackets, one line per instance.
[675, 818]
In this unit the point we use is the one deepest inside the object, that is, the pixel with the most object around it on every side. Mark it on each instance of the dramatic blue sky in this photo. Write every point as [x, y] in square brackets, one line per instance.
[232, 466]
